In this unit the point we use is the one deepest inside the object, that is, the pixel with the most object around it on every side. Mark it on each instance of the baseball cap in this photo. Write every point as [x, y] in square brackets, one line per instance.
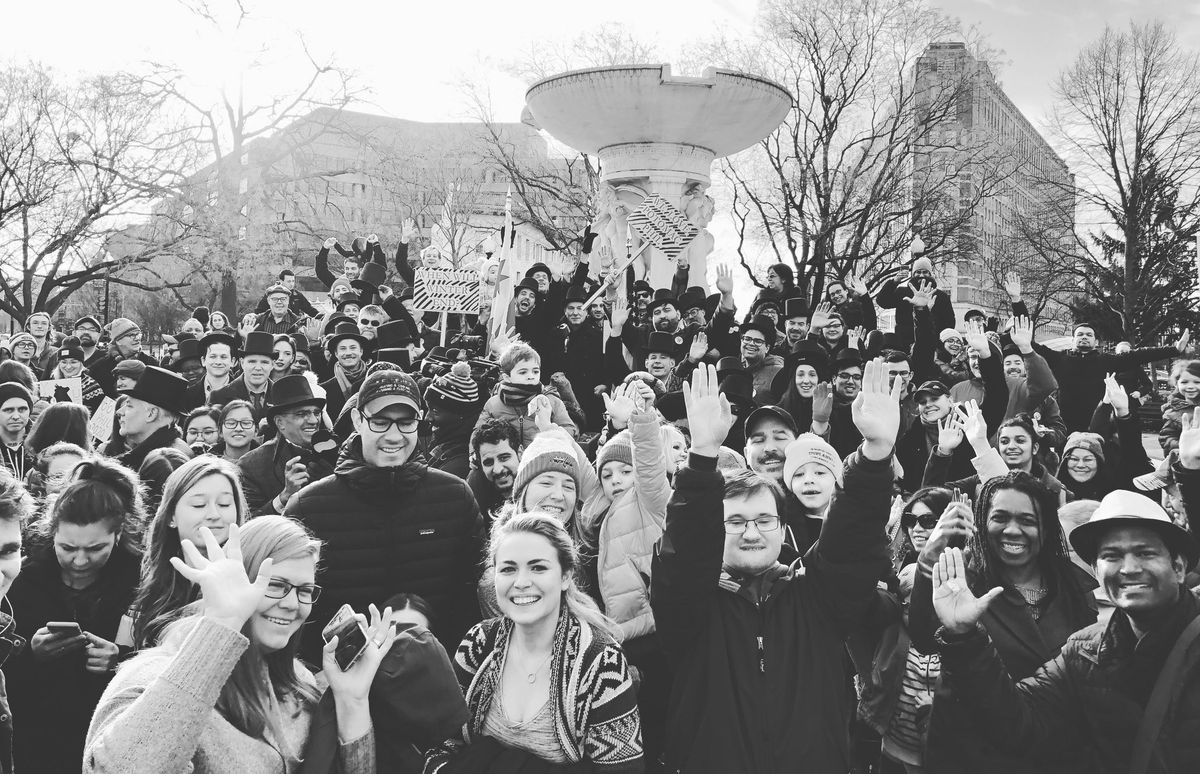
[932, 388]
[397, 385]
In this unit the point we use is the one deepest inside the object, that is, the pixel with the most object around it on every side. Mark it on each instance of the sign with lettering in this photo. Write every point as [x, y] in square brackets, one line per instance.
[662, 225]
[446, 290]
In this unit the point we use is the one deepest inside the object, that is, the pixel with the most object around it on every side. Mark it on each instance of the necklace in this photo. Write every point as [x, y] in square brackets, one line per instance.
[531, 677]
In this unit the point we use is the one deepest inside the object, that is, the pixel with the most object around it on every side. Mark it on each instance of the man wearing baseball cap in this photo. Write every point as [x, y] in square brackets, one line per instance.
[1120, 694]
[389, 521]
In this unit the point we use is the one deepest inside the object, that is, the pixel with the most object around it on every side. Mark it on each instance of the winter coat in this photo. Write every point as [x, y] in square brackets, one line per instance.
[102, 370]
[163, 438]
[1081, 377]
[1085, 703]
[1124, 460]
[591, 692]
[54, 700]
[892, 295]
[937, 473]
[583, 365]
[759, 678]
[1172, 412]
[762, 374]
[629, 529]
[386, 530]
[237, 390]
[857, 311]
[264, 472]
[517, 415]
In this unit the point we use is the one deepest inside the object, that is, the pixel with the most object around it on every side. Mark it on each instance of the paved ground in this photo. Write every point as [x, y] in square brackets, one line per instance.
[1150, 441]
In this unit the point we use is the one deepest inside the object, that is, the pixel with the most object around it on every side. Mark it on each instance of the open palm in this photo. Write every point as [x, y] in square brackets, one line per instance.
[956, 606]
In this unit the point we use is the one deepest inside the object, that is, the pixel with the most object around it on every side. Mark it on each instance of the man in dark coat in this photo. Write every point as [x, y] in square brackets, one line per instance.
[126, 344]
[281, 467]
[148, 417]
[741, 629]
[389, 522]
[583, 363]
[258, 358]
[897, 295]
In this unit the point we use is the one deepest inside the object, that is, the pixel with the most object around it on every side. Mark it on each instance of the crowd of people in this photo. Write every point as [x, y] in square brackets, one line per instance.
[657, 533]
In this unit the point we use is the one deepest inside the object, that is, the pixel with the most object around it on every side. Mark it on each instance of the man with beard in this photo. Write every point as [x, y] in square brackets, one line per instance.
[1029, 379]
[1081, 370]
[345, 347]
[258, 357]
[854, 305]
[663, 313]
[496, 448]
[896, 295]
[582, 364]
[281, 467]
[757, 338]
[125, 344]
[832, 416]
[370, 317]
[769, 432]
[87, 330]
[15, 404]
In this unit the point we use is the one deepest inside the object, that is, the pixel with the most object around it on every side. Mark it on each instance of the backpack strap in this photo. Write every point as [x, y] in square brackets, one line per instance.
[1145, 743]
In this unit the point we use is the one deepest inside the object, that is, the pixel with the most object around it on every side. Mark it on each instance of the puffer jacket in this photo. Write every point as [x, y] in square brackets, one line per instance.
[385, 530]
[1172, 411]
[629, 528]
[518, 416]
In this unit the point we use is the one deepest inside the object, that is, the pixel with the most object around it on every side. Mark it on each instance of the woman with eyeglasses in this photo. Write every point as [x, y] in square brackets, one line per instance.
[285, 357]
[82, 569]
[224, 690]
[201, 429]
[239, 432]
[205, 492]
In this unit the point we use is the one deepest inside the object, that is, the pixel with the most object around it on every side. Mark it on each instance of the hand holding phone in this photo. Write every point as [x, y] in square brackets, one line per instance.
[351, 633]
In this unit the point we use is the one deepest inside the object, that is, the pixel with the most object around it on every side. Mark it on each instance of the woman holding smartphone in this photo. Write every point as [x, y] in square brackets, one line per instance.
[224, 691]
[78, 579]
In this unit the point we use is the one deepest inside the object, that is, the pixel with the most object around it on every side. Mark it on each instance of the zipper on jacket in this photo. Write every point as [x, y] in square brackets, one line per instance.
[762, 656]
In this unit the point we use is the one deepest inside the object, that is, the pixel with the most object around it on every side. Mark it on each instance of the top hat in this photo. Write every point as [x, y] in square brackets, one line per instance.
[289, 392]
[526, 283]
[333, 321]
[189, 349]
[218, 337]
[795, 307]
[369, 279]
[345, 330]
[394, 334]
[575, 293]
[259, 343]
[162, 388]
[300, 342]
[691, 298]
[662, 296]
[663, 342]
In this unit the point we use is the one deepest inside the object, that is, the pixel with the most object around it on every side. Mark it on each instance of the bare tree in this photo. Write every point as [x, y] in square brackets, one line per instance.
[871, 149]
[1127, 115]
[78, 160]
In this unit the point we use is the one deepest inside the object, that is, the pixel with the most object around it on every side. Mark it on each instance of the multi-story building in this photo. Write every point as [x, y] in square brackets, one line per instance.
[1006, 174]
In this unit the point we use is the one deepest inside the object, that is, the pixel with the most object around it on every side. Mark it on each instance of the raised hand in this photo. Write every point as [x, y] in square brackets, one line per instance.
[974, 426]
[1182, 344]
[724, 280]
[709, 415]
[230, 598]
[950, 434]
[329, 243]
[372, 239]
[408, 230]
[820, 315]
[854, 336]
[822, 406]
[1115, 395]
[699, 347]
[1022, 334]
[539, 408]
[619, 314]
[1189, 439]
[958, 609]
[976, 338]
[955, 526]
[385, 292]
[922, 295]
[876, 411]
[619, 408]
[248, 323]
[501, 341]
[1012, 286]
[857, 286]
[353, 685]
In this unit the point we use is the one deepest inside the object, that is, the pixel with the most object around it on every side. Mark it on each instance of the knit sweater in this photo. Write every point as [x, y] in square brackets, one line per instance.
[159, 714]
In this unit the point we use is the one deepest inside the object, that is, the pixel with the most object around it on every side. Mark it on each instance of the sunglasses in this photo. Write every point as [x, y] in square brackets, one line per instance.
[926, 520]
[373, 323]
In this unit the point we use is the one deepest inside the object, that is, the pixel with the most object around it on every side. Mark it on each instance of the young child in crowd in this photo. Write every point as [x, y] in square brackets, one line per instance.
[1185, 396]
[520, 395]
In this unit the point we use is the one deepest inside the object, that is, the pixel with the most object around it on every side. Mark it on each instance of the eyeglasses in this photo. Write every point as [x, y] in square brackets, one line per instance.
[383, 424]
[643, 294]
[753, 342]
[278, 588]
[234, 424]
[372, 323]
[208, 432]
[762, 524]
[850, 377]
[900, 374]
[87, 328]
[926, 520]
[308, 413]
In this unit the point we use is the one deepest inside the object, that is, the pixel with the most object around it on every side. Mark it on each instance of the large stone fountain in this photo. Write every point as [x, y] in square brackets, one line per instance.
[655, 133]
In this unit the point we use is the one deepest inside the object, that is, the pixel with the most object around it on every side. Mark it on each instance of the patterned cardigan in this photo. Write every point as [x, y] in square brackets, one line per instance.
[596, 717]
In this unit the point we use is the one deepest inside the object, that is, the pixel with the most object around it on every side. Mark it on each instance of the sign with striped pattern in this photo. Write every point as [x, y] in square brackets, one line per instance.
[446, 290]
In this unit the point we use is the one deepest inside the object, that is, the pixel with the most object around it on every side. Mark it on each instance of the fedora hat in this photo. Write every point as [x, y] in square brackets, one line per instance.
[345, 330]
[162, 388]
[259, 343]
[662, 297]
[1122, 508]
[219, 337]
[289, 392]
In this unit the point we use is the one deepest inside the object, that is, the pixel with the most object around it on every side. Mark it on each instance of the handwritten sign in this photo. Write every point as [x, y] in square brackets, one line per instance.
[446, 290]
[101, 423]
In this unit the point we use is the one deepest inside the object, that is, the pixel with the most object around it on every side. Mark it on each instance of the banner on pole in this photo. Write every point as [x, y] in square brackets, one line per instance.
[658, 222]
[446, 290]
[61, 390]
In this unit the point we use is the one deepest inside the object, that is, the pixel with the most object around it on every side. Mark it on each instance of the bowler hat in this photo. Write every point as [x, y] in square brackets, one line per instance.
[575, 293]
[259, 343]
[218, 337]
[289, 392]
[691, 298]
[162, 388]
[526, 283]
[344, 330]
[534, 269]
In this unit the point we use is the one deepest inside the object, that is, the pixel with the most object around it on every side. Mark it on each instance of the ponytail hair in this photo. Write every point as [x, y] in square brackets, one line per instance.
[577, 602]
[101, 490]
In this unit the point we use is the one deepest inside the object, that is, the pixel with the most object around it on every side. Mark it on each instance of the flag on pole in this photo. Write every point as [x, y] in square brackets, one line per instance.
[442, 234]
[503, 315]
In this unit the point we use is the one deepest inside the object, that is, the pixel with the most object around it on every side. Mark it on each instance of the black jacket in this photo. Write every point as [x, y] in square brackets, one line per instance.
[263, 472]
[102, 370]
[892, 296]
[387, 530]
[760, 679]
[1081, 377]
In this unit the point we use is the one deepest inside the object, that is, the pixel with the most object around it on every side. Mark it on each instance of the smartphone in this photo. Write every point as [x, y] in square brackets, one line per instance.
[351, 634]
[70, 628]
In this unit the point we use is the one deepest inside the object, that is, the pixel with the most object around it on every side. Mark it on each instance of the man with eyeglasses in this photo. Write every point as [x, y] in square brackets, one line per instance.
[389, 521]
[757, 338]
[897, 294]
[281, 467]
[278, 318]
[852, 301]
[297, 303]
[125, 344]
[258, 358]
[87, 330]
[758, 647]
[839, 429]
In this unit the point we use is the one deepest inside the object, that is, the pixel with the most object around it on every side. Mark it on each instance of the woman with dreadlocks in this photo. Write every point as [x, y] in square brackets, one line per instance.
[1015, 542]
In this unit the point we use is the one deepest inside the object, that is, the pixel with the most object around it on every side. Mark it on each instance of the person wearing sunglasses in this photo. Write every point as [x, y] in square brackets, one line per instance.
[370, 317]
[918, 517]
[389, 520]
[250, 702]
[86, 570]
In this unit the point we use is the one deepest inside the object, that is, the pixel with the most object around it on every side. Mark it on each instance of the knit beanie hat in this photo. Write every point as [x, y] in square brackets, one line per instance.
[15, 390]
[455, 391]
[949, 333]
[922, 264]
[1087, 441]
[619, 448]
[807, 448]
[19, 338]
[548, 452]
[121, 326]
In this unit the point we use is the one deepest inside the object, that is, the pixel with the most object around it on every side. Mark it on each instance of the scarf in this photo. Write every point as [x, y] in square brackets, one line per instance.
[518, 394]
[348, 381]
